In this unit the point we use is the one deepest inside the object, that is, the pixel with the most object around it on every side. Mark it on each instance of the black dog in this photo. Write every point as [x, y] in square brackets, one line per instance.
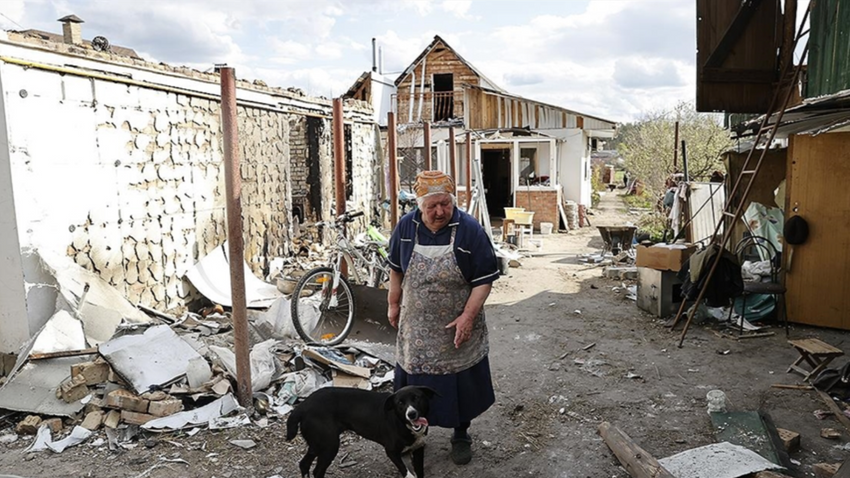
[396, 421]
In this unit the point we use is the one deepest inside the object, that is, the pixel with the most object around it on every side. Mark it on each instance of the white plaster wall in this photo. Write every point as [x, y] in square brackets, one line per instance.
[382, 91]
[129, 182]
[14, 327]
[573, 166]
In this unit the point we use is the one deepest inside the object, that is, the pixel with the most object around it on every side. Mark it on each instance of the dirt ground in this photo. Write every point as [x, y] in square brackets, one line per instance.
[542, 316]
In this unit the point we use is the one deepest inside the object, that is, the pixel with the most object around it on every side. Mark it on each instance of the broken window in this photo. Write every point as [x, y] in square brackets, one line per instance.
[443, 104]
[528, 172]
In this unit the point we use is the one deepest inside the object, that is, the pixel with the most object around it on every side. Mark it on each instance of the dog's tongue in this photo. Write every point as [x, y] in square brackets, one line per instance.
[421, 421]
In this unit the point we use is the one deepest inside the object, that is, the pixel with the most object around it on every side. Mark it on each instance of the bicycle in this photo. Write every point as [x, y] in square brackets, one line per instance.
[323, 303]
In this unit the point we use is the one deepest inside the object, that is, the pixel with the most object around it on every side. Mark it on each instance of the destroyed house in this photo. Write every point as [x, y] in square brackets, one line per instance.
[532, 154]
[113, 167]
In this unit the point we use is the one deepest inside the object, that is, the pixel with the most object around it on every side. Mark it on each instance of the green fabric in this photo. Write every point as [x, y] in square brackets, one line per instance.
[759, 306]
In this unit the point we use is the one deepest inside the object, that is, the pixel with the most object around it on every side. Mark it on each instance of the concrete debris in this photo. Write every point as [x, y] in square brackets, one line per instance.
[149, 376]
[154, 358]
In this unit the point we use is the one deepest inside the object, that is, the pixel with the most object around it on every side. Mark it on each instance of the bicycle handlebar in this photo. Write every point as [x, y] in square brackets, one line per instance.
[349, 216]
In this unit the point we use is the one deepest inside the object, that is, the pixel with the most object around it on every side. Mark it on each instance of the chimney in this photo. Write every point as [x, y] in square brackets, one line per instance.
[71, 29]
[374, 55]
[381, 60]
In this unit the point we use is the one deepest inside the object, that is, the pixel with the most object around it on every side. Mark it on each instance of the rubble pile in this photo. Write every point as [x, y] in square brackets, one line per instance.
[123, 389]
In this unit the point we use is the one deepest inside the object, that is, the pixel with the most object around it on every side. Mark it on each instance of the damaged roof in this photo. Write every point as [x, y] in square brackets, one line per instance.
[438, 40]
[58, 38]
[814, 116]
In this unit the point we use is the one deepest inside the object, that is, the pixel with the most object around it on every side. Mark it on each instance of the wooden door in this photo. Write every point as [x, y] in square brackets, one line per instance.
[818, 282]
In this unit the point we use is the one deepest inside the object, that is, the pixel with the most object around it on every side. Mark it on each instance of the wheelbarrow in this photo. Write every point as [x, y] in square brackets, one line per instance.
[617, 238]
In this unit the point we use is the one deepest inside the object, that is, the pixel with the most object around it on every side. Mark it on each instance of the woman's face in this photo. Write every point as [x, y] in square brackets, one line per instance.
[437, 211]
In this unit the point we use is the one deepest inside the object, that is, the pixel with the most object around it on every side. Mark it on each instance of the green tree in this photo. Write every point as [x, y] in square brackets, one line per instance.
[647, 145]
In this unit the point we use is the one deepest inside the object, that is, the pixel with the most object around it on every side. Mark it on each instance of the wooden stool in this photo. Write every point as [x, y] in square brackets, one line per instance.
[816, 353]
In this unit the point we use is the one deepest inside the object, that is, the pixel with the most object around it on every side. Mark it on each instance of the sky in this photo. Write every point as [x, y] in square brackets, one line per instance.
[613, 59]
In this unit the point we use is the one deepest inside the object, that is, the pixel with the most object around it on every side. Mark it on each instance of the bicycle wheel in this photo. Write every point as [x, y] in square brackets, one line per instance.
[321, 314]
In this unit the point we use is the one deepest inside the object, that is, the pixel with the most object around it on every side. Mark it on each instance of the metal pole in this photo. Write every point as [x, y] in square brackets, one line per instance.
[339, 156]
[453, 154]
[391, 149]
[685, 162]
[468, 169]
[426, 143]
[339, 165]
[676, 147]
[233, 191]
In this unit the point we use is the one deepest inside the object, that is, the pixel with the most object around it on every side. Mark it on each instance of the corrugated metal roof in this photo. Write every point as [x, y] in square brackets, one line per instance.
[815, 116]
[828, 70]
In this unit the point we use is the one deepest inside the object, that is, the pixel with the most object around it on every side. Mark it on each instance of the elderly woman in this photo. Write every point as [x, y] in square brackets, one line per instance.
[443, 266]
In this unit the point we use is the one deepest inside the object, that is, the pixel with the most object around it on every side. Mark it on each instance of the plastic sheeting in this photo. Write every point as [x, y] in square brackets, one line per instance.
[211, 276]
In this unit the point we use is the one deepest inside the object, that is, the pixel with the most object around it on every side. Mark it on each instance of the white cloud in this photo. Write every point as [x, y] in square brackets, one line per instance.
[13, 14]
[458, 8]
[638, 72]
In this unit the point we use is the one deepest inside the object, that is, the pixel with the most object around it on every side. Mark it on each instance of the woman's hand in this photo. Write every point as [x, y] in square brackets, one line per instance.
[463, 329]
[393, 313]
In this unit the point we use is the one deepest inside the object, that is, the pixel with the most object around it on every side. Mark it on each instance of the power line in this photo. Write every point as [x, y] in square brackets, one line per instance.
[16, 23]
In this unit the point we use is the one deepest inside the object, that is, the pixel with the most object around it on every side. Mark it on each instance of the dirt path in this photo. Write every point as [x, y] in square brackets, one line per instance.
[553, 389]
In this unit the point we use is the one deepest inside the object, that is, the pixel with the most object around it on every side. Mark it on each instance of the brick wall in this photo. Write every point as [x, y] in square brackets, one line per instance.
[543, 203]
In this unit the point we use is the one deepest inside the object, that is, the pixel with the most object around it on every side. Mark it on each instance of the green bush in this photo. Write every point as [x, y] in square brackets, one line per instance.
[654, 224]
[643, 201]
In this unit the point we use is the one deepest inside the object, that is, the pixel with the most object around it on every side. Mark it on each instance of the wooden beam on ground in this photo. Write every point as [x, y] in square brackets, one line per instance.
[637, 462]
[834, 408]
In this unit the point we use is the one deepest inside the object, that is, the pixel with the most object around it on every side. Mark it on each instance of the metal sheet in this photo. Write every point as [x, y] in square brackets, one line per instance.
[705, 209]
[33, 389]
[155, 358]
[718, 460]
[211, 276]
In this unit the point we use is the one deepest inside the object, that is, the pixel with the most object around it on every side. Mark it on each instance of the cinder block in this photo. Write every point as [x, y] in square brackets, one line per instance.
[134, 418]
[93, 421]
[73, 389]
[93, 372]
[790, 440]
[164, 408]
[29, 425]
[126, 400]
[55, 424]
[112, 419]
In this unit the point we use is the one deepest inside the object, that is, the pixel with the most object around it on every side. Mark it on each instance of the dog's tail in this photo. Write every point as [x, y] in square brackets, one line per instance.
[292, 424]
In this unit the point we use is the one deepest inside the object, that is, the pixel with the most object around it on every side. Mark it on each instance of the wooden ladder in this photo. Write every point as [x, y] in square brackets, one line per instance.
[731, 211]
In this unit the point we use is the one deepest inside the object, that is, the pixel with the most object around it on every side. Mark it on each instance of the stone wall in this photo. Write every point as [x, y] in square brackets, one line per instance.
[129, 181]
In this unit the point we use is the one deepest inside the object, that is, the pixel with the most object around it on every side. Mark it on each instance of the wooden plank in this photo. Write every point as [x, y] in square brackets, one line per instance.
[834, 408]
[637, 462]
[738, 75]
[818, 281]
[733, 33]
